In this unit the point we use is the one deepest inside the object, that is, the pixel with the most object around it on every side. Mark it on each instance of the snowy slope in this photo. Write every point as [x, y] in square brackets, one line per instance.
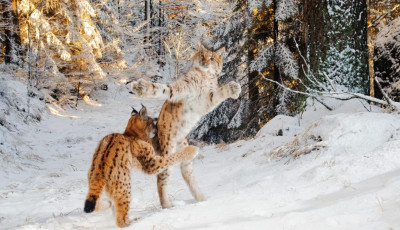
[345, 173]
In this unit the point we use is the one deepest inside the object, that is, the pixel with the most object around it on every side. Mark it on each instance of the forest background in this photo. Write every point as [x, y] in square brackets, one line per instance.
[281, 51]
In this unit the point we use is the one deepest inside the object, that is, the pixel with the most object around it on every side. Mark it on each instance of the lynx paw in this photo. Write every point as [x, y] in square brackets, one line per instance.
[123, 223]
[199, 197]
[140, 87]
[234, 90]
[166, 205]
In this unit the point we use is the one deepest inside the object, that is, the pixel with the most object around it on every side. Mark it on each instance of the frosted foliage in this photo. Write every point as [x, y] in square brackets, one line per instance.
[70, 37]
[388, 42]
[254, 4]
[285, 9]
[284, 100]
[389, 34]
[286, 61]
[263, 58]
[394, 87]
[236, 121]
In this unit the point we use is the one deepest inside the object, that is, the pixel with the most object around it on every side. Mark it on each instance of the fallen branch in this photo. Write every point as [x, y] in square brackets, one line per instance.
[343, 96]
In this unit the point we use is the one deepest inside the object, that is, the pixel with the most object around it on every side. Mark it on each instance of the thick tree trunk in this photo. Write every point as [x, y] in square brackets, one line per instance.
[252, 77]
[147, 17]
[314, 33]
[335, 41]
[12, 41]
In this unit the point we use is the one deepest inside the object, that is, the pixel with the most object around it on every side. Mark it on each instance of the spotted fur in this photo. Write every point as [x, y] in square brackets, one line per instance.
[187, 100]
[114, 157]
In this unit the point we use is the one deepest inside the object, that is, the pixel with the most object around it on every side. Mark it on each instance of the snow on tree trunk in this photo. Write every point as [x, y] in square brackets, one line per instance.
[335, 38]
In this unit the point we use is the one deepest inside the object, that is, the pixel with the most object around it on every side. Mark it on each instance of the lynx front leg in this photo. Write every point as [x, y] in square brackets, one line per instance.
[174, 92]
[144, 88]
[230, 90]
[233, 90]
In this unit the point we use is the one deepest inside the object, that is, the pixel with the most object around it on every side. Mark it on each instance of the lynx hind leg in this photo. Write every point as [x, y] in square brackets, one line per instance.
[96, 185]
[162, 181]
[187, 174]
[120, 192]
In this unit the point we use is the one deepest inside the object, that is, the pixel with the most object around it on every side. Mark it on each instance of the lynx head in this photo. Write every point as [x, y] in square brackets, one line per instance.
[140, 124]
[209, 59]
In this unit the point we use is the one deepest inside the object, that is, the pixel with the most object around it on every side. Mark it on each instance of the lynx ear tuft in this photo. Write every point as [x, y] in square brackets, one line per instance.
[134, 111]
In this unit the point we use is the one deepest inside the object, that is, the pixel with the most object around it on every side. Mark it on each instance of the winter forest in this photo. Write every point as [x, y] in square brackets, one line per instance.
[312, 142]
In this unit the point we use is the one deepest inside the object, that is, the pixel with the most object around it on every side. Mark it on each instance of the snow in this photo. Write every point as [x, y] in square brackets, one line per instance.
[351, 181]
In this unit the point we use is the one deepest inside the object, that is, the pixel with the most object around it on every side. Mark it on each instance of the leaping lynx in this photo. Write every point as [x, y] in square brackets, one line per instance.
[116, 154]
[187, 100]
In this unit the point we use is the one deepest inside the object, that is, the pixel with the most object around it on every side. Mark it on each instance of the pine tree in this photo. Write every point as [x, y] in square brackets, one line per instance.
[276, 54]
[249, 35]
[231, 120]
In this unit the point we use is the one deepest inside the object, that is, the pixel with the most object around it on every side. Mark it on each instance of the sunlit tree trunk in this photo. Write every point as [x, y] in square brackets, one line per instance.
[371, 49]
[276, 74]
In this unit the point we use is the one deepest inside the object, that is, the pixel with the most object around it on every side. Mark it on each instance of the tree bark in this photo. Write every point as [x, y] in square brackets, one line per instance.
[12, 41]
[314, 33]
[276, 74]
[336, 47]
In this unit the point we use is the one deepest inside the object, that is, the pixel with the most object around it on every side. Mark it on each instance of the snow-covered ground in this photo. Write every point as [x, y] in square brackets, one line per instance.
[329, 170]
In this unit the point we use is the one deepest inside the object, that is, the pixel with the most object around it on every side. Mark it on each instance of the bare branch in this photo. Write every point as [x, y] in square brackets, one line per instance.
[343, 96]
[388, 100]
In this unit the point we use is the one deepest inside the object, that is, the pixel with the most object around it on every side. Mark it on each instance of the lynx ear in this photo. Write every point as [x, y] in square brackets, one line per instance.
[134, 111]
[205, 45]
[143, 113]
[201, 47]
[221, 51]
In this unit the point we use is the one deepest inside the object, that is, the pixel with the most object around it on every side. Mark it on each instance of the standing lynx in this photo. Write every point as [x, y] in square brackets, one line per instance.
[187, 100]
[116, 154]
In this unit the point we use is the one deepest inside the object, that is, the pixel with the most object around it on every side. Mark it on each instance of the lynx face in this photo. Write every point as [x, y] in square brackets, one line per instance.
[140, 122]
[209, 59]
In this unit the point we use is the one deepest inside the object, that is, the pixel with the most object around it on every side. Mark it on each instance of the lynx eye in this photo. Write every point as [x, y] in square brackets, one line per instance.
[212, 59]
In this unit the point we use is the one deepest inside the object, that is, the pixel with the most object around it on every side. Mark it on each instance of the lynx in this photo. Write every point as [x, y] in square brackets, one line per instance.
[187, 100]
[117, 153]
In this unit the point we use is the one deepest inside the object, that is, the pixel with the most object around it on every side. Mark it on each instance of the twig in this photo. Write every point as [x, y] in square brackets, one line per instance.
[388, 100]
[296, 91]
